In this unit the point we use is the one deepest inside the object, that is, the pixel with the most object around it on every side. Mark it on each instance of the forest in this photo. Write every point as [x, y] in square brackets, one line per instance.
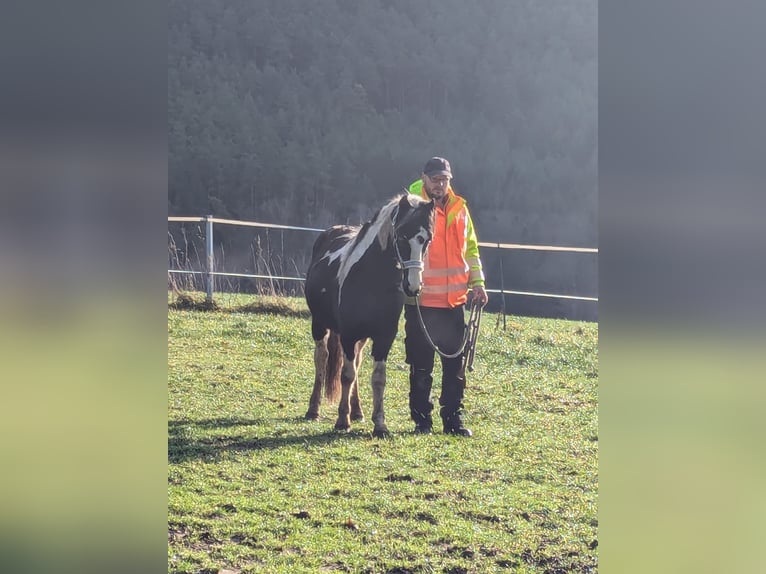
[312, 113]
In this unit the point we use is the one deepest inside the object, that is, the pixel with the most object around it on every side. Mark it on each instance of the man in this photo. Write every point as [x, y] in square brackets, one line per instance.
[452, 269]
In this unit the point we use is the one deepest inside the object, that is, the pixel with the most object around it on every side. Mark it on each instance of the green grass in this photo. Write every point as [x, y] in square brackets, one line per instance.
[253, 487]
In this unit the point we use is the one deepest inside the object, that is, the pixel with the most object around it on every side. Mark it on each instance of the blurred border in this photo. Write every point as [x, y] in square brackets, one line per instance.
[83, 180]
[682, 183]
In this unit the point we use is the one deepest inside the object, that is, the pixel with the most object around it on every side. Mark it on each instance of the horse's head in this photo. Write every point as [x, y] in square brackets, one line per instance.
[413, 229]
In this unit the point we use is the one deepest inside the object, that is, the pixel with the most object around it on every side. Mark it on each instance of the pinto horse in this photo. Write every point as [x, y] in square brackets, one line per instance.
[355, 289]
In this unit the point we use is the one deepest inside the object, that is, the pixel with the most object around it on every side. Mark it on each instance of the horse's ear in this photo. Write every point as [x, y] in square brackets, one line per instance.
[405, 203]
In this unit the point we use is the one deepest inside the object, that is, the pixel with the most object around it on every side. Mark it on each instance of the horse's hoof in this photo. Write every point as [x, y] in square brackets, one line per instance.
[342, 427]
[381, 433]
[309, 416]
[357, 417]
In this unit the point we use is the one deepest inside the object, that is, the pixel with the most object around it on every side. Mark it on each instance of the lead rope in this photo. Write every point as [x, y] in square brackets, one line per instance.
[474, 322]
[431, 342]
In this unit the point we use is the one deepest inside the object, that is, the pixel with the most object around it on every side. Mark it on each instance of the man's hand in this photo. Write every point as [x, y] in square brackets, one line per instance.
[479, 294]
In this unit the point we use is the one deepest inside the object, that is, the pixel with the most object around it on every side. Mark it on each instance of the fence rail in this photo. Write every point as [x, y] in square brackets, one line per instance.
[210, 273]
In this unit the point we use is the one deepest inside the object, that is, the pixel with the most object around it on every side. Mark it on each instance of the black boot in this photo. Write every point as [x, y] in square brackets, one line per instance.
[451, 400]
[421, 404]
[424, 427]
[453, 424]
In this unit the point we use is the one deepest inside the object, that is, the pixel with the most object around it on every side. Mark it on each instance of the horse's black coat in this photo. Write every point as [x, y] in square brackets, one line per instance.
[355, 289]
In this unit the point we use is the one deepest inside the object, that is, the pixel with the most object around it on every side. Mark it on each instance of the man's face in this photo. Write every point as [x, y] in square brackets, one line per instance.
[436, 186]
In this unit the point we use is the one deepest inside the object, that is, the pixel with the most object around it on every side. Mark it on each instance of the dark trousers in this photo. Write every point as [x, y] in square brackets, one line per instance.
[446, 328]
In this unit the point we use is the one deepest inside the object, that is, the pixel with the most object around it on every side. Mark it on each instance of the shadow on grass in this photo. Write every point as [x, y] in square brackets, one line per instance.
[271, 306]
[185, 444]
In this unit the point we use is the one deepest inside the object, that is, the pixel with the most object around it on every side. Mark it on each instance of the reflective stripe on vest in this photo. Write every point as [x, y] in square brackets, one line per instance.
[440, 289]
[443, 272]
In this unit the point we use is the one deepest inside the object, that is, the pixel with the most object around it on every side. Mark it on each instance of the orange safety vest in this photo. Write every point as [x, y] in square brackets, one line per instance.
[446, 272]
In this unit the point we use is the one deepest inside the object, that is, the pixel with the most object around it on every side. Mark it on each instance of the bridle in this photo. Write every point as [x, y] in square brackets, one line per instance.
[409, 263]
[404, 264]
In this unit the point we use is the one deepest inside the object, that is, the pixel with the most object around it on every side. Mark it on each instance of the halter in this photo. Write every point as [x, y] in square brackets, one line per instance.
[410, 263]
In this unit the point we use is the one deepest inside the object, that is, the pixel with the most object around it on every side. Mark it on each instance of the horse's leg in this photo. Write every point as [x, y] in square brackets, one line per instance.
[347, 377]
[357, 414]
[320, 372]
[380, 349]
[378, 389]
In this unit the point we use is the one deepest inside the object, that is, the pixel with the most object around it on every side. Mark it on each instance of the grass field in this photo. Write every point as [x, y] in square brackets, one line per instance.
[253, 487]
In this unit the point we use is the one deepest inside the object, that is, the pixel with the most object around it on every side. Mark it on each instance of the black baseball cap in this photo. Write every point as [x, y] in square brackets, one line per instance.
[437, 166]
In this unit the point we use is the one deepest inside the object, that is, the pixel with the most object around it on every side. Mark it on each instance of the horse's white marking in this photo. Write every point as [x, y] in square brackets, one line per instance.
[333, 255]
[414, 274]
[378, 389]
[350, 257]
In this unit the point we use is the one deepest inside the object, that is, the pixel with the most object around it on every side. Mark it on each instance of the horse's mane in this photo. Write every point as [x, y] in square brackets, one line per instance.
[385, 215]
[387, 229]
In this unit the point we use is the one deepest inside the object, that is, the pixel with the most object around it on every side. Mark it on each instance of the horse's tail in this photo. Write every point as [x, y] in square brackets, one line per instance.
[334, 365]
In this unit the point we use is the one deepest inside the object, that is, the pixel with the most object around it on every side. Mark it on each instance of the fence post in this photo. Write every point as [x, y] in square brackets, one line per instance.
[209, 258]
[502, 286]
